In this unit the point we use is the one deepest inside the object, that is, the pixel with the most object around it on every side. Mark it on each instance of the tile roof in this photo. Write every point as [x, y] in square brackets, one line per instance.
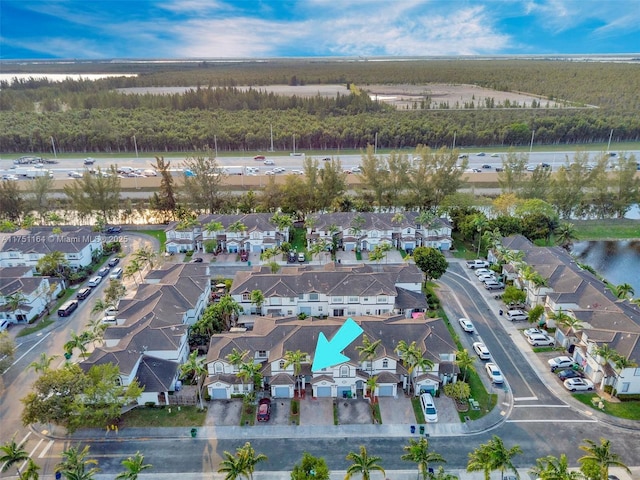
[42, 240]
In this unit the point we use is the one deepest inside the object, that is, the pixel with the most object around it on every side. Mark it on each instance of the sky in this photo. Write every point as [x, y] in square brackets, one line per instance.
[182, 29]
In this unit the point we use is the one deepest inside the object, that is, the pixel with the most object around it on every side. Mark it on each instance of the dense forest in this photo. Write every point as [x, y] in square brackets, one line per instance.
[92, 116]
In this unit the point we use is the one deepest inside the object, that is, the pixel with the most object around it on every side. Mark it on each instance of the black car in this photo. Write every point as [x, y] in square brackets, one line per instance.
[83, 293]
[103, 272]
[569, 373]
[197, 260]
[114, 229]
[113, 262]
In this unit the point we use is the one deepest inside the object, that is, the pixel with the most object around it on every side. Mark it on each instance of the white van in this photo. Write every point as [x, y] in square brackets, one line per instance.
[428, 408]
[517, 315]
[116, 274]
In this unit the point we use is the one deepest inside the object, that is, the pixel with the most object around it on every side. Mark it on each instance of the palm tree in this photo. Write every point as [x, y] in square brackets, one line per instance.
[480, 223]
[398, 217]
[229, 309]
[552, 468]
[75, 464]
[621, 363]
[367, 350]
[12, 454]
[601, 457]
[250, 371]
[372, 384]
[43, 363]
[79, 342]
[295, 358]
[132, 268]
[31, 471]
[418, 452]
[565, 235]
[213, 227]
[14, 301]
[145, 255]
[493, 455]
[464, 361]
[363, 464]
[133, 465]
[243, 463]
[236, 357]
[194, 368]
[493, 237]
[624, 290]
[606, 353]
[565, 320]
[101, 305]
[257, 299]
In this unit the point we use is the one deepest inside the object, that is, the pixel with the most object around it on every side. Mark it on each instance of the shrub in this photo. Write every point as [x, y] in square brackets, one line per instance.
[150, 404]
[608, 389]
[210, 246]
[629, 397]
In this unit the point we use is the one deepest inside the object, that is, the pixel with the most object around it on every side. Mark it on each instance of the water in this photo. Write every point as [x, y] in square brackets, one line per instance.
[617, 261]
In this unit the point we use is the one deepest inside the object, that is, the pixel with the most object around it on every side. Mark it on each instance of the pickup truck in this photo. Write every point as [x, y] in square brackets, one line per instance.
[473, 264]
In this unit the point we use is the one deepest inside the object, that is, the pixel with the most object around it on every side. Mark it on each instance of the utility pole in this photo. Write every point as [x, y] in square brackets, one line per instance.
[135, 144]
[454, 141]
[609, 144]
[53, 144]
[271, 128]
[533, 132]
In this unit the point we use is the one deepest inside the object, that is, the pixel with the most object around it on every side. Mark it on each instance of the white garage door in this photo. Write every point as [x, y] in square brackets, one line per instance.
[219, 393]
[281, 392]
[324, 392]
[385, 391]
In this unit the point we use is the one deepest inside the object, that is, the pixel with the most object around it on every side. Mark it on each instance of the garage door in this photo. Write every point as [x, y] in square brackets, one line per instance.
[282, 392]
[306, 310]
[256, 249]
[385, 391]
[172, 248]
[428, 389]
[219, 393]
[344, 392]
[324, 392]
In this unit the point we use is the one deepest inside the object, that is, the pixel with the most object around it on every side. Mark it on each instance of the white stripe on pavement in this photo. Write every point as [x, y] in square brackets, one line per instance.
[46, 449]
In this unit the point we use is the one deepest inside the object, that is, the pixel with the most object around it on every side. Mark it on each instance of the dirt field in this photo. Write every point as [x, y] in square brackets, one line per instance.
[401, 96]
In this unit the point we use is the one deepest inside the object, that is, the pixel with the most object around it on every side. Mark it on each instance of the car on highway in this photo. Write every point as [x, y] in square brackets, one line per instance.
[560, 363]
[269, 172]
[74, 174]
[9, 177]
[326, 159]
[269, 162]
[481, 154]
[578, 384]
[569, 373]
[264, 410]
[94, 281]
[486, 166]
[279, 170]
[493, 285]
[466, 325]
[259, 157]
[89, 161]
[481, 350]
[114, 230]
[356, 169]
[494, 373]
[541, 340]
[296, 172]
[495, 155]
[464, 155]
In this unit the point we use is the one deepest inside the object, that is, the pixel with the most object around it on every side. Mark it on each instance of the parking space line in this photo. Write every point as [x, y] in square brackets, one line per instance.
[46, 449]
[547, 420]
[524, 399]
[542, 406]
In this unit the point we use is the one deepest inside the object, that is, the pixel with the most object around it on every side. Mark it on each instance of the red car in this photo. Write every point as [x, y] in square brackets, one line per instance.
[259, 157]
[264, 409]
[244, 256]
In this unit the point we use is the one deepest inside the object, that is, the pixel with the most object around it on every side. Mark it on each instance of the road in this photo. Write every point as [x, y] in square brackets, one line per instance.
[66, 165]
[540, 420]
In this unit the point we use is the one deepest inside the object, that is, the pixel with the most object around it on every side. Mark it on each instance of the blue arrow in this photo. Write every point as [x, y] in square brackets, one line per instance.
[328, 352]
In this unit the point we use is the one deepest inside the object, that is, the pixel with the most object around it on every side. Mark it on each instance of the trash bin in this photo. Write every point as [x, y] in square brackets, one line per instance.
[421, 429]
[413, 429]
[67, 356]
[500, 312]
[194, 432]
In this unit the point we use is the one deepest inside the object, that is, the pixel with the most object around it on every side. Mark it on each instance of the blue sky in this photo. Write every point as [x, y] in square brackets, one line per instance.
[101, 29]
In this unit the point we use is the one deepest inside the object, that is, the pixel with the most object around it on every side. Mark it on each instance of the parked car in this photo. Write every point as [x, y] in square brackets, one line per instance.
[493, 285]
[578, 384]
[292, 257]
[83, 293]
[494, 373]
[517, 315]
[94, 281]
[244, 256]
[4, 325]
[111, 311]
[570, 373]
[532, 331]
[197, 260]
[473, 264]
[114, 229]
[486, 276]
[113, 262]
[541, 340]
[428, 407]
[264, 409]
[560, 363]
[483, 271]
[301, 257]
[481, 350]
[466, 325]
[103, 272]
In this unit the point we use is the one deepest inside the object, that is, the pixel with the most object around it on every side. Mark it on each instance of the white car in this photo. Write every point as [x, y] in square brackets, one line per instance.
[560, 363]
[74, 174]
[429, 407]
[483, 271]
[356, 170]
[279, 169]
[494, 373]
[94, 281]
[9, 176]
[481, 350]
[578, 384]
[466, 325]
[269, 172]
[541, 340]
[532, 331]
[269, 162]
[486, 276]
[297, 172]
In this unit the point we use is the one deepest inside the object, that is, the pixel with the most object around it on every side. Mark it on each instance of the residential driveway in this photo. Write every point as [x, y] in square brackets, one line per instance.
[447, 412]
[316, 411]
[346, 257]
[396, 411]
[354, 411]
[280, 408]
[224, 412]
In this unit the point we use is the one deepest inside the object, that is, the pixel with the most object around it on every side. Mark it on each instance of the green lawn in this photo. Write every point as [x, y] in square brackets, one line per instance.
[299, 241]
[174, 416]
[628, 410]
[608, 229]
[417, 409]
[160, 235]
[248, 416]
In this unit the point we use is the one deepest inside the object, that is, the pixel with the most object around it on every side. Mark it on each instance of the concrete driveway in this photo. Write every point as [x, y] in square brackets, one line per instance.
[224, 412]
[396, 411]
[280, 409]
[316, 411]
[354, 411]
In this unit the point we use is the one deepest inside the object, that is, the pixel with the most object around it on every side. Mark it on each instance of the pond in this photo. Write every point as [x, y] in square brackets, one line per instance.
[617, 261]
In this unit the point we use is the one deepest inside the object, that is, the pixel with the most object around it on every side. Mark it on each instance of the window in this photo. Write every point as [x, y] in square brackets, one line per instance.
[313, 297]
[344, 371]
[625, 387]
[337, 299]
[246, 297]
[218, 367]
[275, 301]
[262, 354]
[351, 313]
[365, 299]
[382, 299]
[319, 309]
[301, 296]
[636, 372]
[385, 363]
[354, 299]
[292, 299]
[282, 363]
[289, 312]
